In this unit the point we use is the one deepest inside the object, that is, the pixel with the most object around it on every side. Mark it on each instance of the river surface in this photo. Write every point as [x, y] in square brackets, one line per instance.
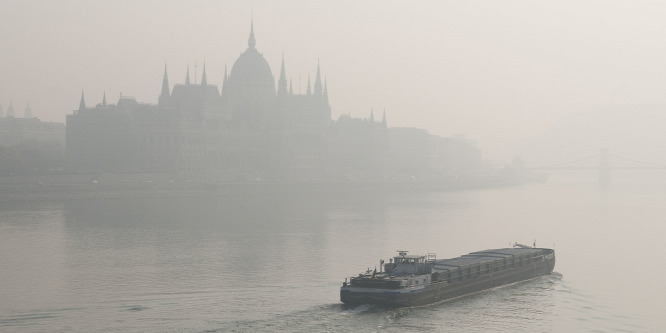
[267, 263]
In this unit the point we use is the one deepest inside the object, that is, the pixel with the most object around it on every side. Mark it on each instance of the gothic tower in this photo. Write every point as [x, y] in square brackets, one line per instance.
[282, 81]
[164, 95]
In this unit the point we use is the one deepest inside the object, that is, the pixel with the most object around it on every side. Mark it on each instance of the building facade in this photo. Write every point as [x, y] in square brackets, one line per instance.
[29, 145]
[250, 129]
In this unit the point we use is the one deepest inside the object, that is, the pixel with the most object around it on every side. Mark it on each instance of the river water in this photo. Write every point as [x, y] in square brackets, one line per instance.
[270, 263]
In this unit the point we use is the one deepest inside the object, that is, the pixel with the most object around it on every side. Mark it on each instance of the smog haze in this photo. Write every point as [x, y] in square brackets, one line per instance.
[497, 72]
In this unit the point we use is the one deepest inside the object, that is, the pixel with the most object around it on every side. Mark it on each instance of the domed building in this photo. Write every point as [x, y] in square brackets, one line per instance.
[251, 88]
[247, 131]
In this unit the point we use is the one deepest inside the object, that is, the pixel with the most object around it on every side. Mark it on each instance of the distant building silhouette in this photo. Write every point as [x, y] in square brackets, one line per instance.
[247, 130]
[10, 109]
[28, 145]
[28, 112]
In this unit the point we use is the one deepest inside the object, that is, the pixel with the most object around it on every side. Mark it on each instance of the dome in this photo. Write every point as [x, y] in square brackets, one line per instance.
[251, 88]
[251, 75]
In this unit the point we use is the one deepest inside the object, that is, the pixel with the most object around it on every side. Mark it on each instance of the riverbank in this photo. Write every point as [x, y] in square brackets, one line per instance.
[52, 187]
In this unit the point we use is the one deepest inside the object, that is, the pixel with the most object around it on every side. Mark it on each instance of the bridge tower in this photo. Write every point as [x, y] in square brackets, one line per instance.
[604, 168]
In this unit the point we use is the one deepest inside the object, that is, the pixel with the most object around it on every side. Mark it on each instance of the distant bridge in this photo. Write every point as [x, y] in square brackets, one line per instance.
[602, 163]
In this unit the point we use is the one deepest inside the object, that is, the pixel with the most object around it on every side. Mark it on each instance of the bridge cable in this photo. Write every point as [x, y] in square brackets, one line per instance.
[639, 162]
[566, 163]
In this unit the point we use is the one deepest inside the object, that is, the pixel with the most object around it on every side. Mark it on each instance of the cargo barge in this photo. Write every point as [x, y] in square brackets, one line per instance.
[412, 280]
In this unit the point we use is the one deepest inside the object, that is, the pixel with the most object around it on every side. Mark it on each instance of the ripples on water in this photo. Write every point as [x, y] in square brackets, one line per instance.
[525, 306]
[530, 306]
[268, 263]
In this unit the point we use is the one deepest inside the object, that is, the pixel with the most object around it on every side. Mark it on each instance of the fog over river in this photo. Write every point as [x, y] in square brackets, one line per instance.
[256, 262]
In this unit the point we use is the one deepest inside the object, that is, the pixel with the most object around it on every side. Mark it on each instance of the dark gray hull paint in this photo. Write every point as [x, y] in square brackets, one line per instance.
[440, 291]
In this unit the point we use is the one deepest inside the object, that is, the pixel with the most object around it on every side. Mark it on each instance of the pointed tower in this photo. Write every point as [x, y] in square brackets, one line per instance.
[28, 111]
[282, 82]
[309, 91]
[291, 87]
[1, 111]
[384, 119]
[251, 42]
[10, 109]
[82, 104]
[187, 76]
[225, 83]
[204, 80]
[164, 94]
[325, 104]
[372, 115]
[325, 92]
[104, 99]
[317, 85]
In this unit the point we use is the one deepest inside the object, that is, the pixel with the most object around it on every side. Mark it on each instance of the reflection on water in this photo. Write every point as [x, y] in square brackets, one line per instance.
[256, 262]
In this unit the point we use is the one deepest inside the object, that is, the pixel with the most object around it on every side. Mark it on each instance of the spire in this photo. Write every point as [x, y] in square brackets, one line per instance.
[282, 82]
[384, 119]
[104, 99]
[82, 104]
[224, 82]
[317, 86]
[291, 89]
[1, 110]
[325, 89]
[251, 42]
[204, 80]
[165, 85]
[28, 111]
[372, 115]
[187, 76]
[309, 91]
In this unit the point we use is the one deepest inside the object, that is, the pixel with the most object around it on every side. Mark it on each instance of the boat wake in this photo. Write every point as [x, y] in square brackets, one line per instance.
[521, 307]
[360, 308]
[323, 318]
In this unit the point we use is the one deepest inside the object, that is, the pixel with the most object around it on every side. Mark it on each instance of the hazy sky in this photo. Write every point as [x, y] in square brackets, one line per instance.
[496, 71]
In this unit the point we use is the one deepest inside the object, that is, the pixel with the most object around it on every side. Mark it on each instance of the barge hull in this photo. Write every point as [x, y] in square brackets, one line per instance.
[443, 290]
